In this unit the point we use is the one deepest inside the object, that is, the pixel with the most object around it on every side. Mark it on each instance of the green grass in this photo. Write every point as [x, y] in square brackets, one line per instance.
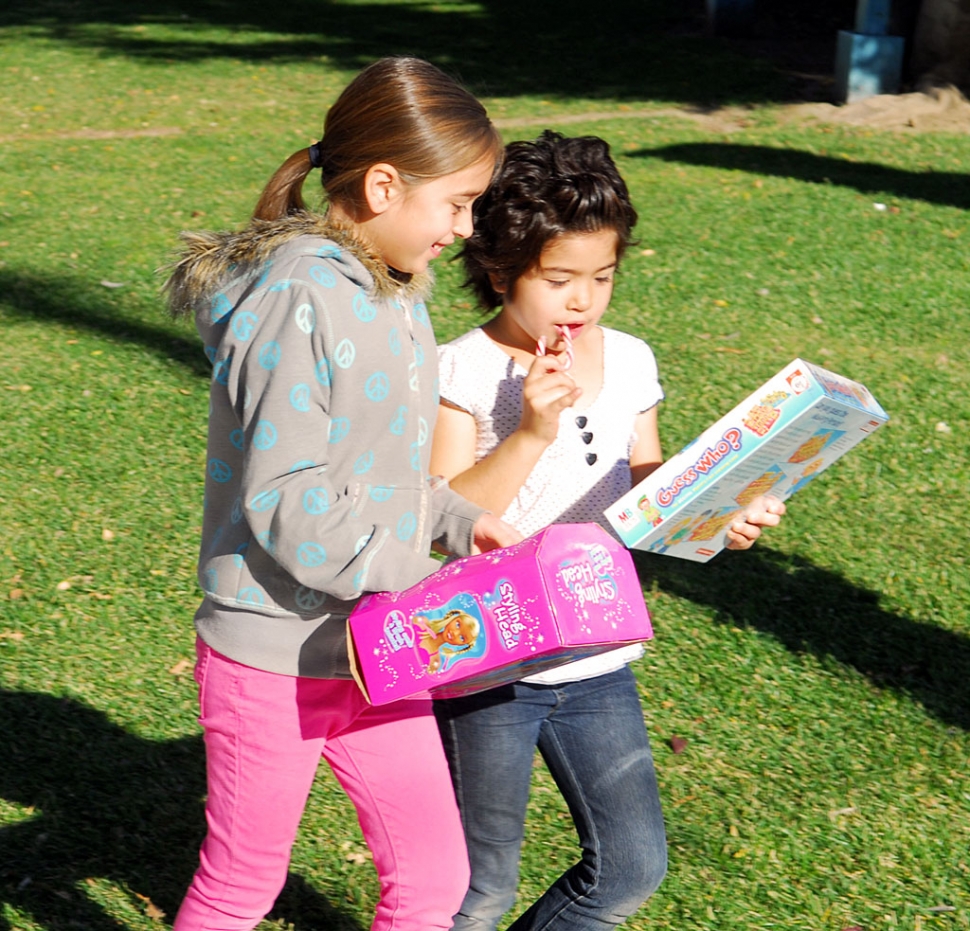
[822, 681]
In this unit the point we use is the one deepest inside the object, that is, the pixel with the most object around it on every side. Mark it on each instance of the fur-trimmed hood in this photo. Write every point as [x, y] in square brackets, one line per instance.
[208, 260]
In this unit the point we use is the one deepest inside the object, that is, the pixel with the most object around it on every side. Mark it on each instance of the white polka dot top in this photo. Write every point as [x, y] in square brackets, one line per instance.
[585, 469]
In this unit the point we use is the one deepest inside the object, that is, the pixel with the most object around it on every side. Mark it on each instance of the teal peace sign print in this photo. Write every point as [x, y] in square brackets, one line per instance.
[269, 355]
[220, 372]
[243, 325]
[300, 397]
[219, 471]
[309, 599]
[400, 421]
[339, 428]
[316, 501]
[250, 596]
[265, 435]
[364, 463]
[322, 372]
[406, 526]
[265, 500]
[420, 313]
[378, 387]
[323, 275]
[311, 554]
[220, 309]
[364, 311]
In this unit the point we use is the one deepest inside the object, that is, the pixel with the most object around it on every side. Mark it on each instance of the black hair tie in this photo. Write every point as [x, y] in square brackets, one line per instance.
[316, 155]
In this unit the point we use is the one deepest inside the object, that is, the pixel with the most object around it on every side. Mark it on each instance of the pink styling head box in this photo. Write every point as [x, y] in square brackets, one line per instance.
[568, 592]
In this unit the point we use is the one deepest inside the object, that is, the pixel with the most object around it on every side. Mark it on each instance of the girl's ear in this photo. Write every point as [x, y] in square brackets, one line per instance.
[382, 186]
[497, 283]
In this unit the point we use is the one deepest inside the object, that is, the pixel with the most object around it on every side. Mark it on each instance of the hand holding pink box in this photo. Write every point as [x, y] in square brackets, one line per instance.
[568, 592]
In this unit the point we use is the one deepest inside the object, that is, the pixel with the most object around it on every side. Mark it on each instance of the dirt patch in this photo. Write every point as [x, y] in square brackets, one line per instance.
[938, 109]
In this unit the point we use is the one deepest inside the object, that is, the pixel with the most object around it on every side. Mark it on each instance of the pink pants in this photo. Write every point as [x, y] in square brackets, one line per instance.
[264, 736]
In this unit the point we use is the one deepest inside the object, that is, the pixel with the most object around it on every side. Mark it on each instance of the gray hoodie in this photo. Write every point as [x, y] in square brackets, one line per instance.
[323, 399]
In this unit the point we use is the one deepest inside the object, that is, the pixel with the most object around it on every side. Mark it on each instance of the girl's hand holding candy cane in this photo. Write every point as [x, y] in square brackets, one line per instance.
[548, 390]
[567, 339]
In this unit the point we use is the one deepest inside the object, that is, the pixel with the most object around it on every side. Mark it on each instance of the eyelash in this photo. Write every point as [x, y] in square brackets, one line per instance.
[557, 283]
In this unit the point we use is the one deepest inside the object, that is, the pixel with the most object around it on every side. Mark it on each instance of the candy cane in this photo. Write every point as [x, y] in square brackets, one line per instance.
[567, 339]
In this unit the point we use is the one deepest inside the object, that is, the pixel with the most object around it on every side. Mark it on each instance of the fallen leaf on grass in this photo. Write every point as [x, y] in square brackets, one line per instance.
[107, 535]
[181, 666]
[678, 744]
[11, 635]
[151, 909]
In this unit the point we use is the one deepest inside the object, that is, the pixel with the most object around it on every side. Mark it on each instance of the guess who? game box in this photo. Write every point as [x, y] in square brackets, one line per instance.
[774, 442]
[568, 592]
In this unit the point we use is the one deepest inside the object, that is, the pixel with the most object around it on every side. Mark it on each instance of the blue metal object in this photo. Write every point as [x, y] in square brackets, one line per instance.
[866, 65]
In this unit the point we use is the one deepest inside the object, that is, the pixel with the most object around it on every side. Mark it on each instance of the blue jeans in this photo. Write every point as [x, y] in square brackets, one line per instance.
[593, 738]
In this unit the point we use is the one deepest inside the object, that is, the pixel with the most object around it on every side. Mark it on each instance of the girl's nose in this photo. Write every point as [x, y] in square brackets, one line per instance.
[463, 224]
[582, 297]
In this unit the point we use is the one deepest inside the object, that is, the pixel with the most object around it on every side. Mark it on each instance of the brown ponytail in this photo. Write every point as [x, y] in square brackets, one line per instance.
[283, 194]
[402, 111]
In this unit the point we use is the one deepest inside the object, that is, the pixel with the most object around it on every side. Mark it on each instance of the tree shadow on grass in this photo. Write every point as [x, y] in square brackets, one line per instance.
[106, 805]
[935, 187]
[813, 610]
[79, 305]
[622, 49]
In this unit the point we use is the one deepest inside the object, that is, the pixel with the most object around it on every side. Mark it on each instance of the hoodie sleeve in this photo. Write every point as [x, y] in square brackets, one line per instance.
[455, 518]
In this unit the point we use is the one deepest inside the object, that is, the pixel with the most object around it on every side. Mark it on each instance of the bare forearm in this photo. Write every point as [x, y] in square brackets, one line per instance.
[494, 481]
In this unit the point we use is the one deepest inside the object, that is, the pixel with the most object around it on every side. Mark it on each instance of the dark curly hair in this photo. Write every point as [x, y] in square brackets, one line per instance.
[545, 188]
